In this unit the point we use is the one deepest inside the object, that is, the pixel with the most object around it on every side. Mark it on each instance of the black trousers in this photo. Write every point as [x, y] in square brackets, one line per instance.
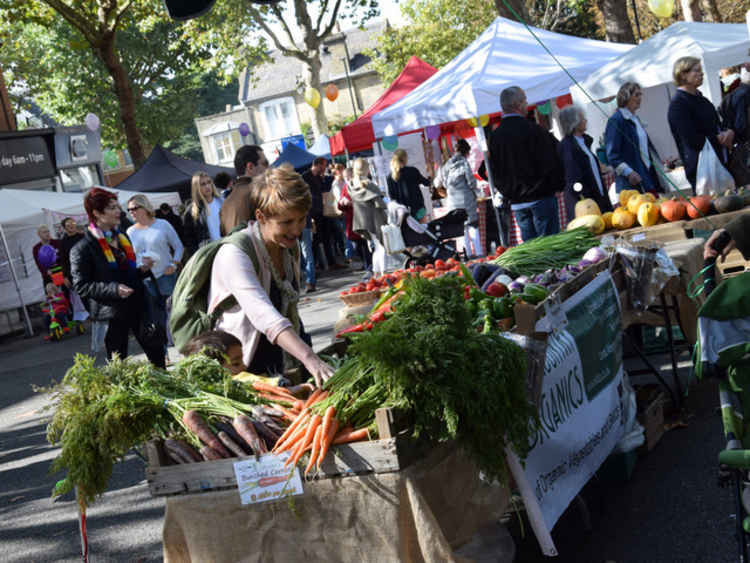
[119, 330]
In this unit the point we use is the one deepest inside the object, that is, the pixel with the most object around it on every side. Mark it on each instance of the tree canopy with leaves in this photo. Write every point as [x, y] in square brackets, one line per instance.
[235, 31]
[438, 30]
[121, 59]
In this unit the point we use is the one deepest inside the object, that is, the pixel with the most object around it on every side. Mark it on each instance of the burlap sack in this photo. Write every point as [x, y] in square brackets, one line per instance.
[419, 514]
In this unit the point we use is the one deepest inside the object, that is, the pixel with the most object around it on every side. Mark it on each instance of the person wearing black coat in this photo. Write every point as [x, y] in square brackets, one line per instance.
[403, 184]
[693, 119]
[525, 167]
[105, 275]
[580, 164]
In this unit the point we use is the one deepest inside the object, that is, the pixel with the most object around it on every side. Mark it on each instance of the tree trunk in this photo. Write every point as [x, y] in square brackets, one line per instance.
[616, 21]
[124, 92]
[711, 7]
[312, 79]
[691, 10]
[518, 6]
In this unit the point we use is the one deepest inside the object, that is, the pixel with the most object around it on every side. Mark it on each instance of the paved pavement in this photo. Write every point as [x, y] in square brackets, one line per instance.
[671, 510]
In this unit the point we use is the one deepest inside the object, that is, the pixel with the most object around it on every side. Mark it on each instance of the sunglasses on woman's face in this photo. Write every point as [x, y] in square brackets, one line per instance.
[134, 208]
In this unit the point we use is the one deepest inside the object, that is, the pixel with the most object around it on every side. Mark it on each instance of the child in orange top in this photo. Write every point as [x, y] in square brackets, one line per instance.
[56, 308]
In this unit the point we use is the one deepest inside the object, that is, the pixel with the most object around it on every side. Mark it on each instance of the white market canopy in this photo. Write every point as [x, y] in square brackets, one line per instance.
[504, 55]
[718, 45]
[21, 213]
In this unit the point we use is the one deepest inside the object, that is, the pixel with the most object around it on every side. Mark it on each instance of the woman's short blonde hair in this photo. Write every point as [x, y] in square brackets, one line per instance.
[281, 190]
[626, 92]
[398, 161]
[681, 67]
[143, 201]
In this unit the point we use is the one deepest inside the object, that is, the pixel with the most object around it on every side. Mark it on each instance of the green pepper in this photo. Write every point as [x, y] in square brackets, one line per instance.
[489, 324]
[502, 308]
[486, 304]
[533, 293]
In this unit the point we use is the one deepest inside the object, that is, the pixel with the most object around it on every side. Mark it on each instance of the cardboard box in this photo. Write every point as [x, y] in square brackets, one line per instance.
[651, 417]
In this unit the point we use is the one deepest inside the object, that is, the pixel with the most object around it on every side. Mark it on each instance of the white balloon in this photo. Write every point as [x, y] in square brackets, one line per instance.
[92, 121]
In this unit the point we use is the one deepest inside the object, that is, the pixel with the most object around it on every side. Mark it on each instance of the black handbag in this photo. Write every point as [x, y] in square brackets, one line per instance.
[151, 331]
[739, 164]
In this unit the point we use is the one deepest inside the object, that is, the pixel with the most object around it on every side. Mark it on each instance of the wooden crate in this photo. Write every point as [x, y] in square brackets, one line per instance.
[527, 315]
[392, 452]
[714, 221]
[665, 232]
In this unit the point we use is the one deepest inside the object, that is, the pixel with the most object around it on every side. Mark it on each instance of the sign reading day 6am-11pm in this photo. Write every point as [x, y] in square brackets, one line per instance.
[580, 408]
[23, 159]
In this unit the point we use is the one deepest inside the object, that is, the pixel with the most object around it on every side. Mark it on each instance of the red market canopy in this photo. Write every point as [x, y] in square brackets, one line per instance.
[358, 135]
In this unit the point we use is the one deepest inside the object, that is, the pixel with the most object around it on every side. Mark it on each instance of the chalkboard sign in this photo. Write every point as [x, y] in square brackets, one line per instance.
[25, 158]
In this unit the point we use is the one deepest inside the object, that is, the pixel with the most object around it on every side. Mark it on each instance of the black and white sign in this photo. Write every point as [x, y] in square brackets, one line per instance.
[23, 159]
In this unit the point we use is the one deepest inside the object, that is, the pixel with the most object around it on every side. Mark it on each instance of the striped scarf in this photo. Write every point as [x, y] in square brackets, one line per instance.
[105, 243]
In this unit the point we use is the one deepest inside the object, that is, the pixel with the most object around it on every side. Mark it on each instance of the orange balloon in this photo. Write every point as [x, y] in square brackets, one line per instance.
[332, 92]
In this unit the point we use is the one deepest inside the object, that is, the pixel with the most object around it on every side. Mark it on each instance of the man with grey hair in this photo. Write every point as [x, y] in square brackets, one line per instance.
[526, 168]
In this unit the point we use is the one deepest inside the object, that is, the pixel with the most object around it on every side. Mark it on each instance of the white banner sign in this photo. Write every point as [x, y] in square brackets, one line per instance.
[579, 408]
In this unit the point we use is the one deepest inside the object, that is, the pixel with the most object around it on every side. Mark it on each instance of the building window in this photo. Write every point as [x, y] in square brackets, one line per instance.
[281, 118]
[223, 146]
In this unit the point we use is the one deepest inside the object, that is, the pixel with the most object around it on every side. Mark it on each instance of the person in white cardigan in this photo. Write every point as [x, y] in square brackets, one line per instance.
[265, 318]
[157, 246]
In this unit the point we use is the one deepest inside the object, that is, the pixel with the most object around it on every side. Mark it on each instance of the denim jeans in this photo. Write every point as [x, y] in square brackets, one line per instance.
[348, 246]
[541, 219]
[308, 257]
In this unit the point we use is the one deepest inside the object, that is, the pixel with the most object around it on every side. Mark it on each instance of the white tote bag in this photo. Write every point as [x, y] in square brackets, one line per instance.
[711, 177]
[393, 240]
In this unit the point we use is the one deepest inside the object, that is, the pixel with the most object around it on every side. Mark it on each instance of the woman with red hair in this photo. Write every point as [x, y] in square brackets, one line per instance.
[105, 275]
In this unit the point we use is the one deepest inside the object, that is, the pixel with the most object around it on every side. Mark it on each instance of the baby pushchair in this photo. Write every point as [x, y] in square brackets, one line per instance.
[431, 241]
[723, 351]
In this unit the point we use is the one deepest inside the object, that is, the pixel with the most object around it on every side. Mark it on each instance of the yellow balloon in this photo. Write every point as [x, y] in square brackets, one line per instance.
[484, 120]
[661, 8]
[312, 97]
[472, 121]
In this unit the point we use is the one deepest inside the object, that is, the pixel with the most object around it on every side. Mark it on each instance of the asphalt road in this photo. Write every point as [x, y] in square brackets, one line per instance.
[671, 510]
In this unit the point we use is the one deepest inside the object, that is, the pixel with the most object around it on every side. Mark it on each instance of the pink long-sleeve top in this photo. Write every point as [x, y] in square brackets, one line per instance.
[233, 273]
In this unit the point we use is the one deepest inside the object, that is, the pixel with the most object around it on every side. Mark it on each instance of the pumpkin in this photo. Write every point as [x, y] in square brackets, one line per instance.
[703, 205]
[625, 195]
[607, 218]
[672, 210]
[587, 207]
[593, 223]
[622, 218]
[648, 214]
[635, 202]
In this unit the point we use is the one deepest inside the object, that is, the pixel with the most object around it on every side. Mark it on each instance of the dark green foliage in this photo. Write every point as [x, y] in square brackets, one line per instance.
[459, 384]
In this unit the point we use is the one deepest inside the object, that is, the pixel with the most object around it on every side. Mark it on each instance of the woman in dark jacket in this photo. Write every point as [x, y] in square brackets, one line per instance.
[403, 184]
[581, 165]
[201, 221]
[693, 119]
[629, 150]
[104, 272]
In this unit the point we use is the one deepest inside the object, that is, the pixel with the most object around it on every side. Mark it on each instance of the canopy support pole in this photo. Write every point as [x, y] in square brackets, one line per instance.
[485, 151]
[29, 329]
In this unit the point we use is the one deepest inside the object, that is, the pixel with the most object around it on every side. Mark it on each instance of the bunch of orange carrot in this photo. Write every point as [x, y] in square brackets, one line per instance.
[315, 433]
